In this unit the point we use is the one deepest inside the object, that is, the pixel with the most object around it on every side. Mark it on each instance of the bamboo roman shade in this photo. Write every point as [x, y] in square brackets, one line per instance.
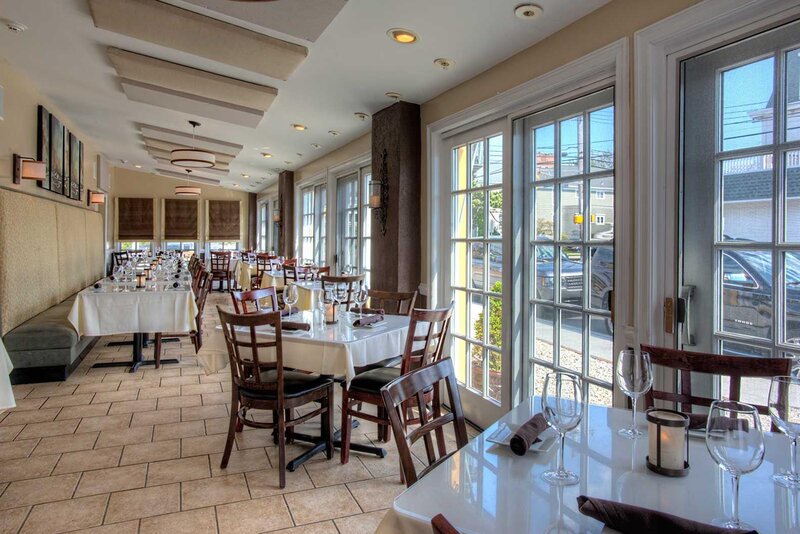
[135, 219]
[223, 220]
[180, 219]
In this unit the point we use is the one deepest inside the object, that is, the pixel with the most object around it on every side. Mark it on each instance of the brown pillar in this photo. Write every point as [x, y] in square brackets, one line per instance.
[396, 254]
[286, 203]
[252, 218]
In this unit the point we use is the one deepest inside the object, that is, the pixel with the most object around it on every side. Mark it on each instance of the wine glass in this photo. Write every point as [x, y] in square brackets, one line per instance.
[347, 269]
[361, 297]
[321, 302]
[735, 442]
[314, 268]
[784, 409]
[635, 378]
[562, 405]
[290, 296]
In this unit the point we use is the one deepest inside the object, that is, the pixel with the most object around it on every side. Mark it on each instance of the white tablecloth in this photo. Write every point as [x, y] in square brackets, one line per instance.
[242, 272]
[272, 280]
[6, 394]
[106, 312]
[337, 351]
[486, 488]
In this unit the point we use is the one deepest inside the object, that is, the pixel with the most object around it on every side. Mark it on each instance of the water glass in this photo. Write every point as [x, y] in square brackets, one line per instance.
[290, 296]
[361, 297]
[784, 410]
[635, 378]
[562, 405]
[735, 442]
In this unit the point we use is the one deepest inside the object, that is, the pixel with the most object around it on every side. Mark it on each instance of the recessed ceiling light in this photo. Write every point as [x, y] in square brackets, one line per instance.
[394, 96]
[288, 162]
[298, 154]
[235, 185]
[316, 146]
[360, 115]
[333, 133]
[138, 166]
[528, 11]
[444, 63]
[245, 175]
[300, 127]
[402, 36]
[266, 155]
[14, 26]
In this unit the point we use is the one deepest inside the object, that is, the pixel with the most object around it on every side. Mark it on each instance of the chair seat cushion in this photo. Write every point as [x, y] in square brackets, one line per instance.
[295, 384]
[49, 330]
[372, 381]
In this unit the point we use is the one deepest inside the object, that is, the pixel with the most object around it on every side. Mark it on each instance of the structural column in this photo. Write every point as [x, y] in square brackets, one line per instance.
[252, 221]
[395, 256]
[286, 203]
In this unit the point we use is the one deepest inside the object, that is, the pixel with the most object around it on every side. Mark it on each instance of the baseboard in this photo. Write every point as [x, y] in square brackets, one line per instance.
[50, 373]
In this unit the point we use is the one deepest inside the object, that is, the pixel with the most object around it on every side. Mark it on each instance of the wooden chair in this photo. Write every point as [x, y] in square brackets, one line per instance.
[349, 281]
[400, 303]
[263, 264]
[204, 288]
[221, 267]
[295, 273]
[734, 367]
[414, 386]
[441, 525]
[260, 384]
[427, 328]
[197, 272]
[255, 297]
[321, 271]
[121, 258]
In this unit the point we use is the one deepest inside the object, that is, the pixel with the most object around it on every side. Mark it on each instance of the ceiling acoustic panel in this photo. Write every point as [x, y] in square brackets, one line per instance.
[217, 146]
[190, 104]
[166, 25]
[194, 177]
[192, 81]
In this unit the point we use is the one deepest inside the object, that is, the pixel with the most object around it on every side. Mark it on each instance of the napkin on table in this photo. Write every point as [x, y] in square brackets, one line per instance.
[528, 434]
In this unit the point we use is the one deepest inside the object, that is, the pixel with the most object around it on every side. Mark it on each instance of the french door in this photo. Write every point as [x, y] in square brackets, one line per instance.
[347, 221]
[569, 176]
[739, 254]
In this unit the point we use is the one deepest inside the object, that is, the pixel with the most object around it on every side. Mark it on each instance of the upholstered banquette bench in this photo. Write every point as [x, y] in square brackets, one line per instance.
[46, 347]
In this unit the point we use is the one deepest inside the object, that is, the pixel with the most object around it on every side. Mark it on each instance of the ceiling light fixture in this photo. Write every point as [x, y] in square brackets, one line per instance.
[444, 63]
[14, 26]
[245, 175]
[193, 158]
[528, 11]
[287, 162]
[235, 185]
[333, 133]
[138, 166]
[402, 36]
[187, 190]
[300, 127]
[360, 115]
[266, 155]
[394, 96]
[316, 146]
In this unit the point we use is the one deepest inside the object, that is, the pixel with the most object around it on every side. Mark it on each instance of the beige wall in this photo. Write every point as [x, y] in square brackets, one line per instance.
[341, 155]
[130, 183]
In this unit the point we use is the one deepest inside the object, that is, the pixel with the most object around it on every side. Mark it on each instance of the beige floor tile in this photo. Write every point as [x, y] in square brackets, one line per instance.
[203, 412]
[196, 389]
[65, 516]
[266, 482]
[179, 430]
[30, 416]
[110, 480]
[97, 387]
[203, 445]
[322, 503]
[360, 524]
[180, 470]
[251, 517]
[22, 468]
[376, 494]
[60, 401]
[140, 384]
[105, 422]
[240, 461]
[151, 452]
[38, 490]
[332, 471]
[294, 450]
[7, 433]
[179, 380]
[86, 410]
[145, 502]
[218, 425]
[166, 403]
[27, 404]
[323, 527]
[125, 436]
[201, 521]
[159, 392]
[115, 396]
[156, 417]
[55, 428]
[70, 443]
[126, 377]
[213, 491]
[11, 520]
[121, 407]
[74, 462]
[51, 391]
[129, 527]
[216, 398]
[17, 449]
[254, 438]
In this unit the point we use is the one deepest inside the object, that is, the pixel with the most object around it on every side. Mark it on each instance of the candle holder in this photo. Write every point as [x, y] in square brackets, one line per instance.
[140, 281]
[668, 434]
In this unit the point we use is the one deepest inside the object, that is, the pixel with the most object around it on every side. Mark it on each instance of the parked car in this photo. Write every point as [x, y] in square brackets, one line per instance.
[571, 276]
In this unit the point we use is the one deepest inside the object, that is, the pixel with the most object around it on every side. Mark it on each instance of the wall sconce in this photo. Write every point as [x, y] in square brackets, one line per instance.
[95, 197]
[379, 193]
[276, 216]
[28, 169]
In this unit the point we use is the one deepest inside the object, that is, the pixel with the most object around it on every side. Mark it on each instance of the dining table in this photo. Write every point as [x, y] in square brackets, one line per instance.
[484, 487]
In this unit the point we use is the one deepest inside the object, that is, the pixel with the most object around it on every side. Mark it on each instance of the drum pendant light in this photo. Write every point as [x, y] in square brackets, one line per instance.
[193, 158]
[187, 190]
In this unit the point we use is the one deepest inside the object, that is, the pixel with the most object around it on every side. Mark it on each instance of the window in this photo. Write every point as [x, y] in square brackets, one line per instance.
[276, 227]
[321, 226]
[313, 228]
[262, 226]
[307, 224]
[187, 247]
[135, 245]
[223, 245]
[366, 224]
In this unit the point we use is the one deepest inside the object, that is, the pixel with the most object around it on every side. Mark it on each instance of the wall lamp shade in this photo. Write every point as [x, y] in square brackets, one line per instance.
[187, 190]
[28, 169]
[96, 197]
[276, 217]
[192, 158]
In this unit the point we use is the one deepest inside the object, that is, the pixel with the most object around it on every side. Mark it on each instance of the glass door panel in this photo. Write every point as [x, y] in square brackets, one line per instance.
[347, 207]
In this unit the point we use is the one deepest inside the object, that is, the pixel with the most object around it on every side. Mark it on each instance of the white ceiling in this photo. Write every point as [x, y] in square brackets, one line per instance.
[350, 67]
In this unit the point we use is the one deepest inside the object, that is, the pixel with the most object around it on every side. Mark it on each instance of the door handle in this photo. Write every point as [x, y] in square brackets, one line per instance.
[685, 314]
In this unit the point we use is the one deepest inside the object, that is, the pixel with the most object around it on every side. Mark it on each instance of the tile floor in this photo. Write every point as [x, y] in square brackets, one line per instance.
[109, 451]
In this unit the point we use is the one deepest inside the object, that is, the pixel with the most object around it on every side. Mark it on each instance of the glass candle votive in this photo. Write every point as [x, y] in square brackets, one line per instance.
[668, 436]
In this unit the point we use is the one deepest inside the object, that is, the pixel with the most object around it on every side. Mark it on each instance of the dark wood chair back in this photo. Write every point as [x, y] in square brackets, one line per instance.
[414, 385]
[351, 282]
[256, 298]
[734, 367]
[321, 271]
[120, 257]
[391, 302]
[263, 264]
[441, 525]
[427, 336]
[220, 261]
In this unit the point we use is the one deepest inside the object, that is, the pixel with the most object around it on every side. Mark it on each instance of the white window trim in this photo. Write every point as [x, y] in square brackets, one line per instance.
[609, 63]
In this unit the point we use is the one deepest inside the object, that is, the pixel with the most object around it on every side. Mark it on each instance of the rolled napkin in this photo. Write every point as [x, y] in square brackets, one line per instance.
[177, 276]
[289, 311]
[175, 284]
[292, 325]
[699, 421]
[626, 518]
[528, 434]
[97, 285]
[112, 277]
[369, 319]
[378, 311]
[441, 525]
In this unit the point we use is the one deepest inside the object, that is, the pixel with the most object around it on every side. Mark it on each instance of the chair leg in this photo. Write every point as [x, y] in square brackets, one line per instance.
[327, 423]
[232, 426]
[282, 448]
[346, 428]
[289, 430]
[157, 350]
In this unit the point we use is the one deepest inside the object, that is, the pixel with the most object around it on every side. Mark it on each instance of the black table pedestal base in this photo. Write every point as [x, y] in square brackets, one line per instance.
[139, 342]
